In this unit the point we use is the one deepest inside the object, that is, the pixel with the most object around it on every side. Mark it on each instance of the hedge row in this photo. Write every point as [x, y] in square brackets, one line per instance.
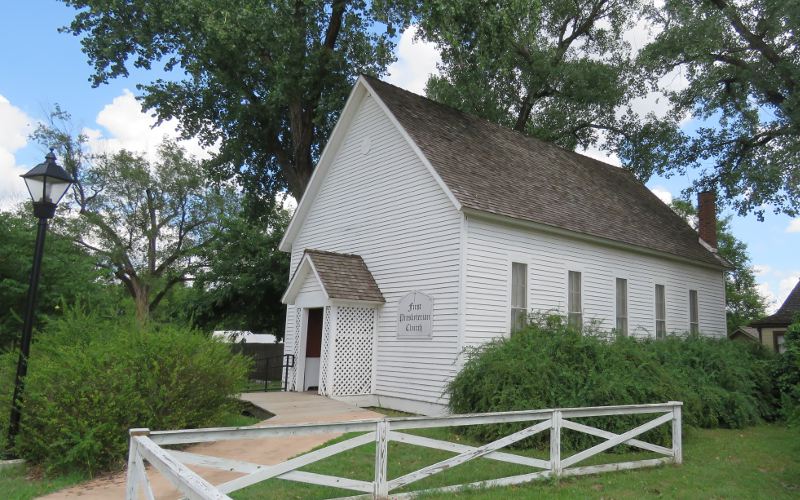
[549, 365]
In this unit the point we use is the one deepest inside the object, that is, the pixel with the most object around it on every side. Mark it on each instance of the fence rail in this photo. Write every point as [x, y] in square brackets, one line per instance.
[147, 446]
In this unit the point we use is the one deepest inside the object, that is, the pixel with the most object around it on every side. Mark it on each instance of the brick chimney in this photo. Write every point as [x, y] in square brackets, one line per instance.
[707, 217]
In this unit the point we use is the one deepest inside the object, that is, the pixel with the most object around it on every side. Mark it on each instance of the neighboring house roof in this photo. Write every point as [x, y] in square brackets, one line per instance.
[342, 277]
[786, 313]
[745, 332]
[493, 169]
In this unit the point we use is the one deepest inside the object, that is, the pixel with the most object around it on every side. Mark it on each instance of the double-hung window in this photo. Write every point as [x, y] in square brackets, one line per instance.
[779, 341]
[661, 312]
[694, 321]
[574, 309]
[622, 306]
[519, 296]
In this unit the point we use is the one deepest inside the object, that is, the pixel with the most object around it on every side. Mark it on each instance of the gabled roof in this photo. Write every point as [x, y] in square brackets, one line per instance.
[745, 332]
[496, 170]
[786, 313]
[341, 276]
[487, 169]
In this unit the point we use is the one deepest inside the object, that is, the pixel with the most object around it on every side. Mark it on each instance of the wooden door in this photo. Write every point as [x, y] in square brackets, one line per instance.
[314, 333]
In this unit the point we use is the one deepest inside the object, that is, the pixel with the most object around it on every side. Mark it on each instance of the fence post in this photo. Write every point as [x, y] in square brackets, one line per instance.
[133, 480]
[555, 444]
[266, 374]
[677, 441]
[380, 488]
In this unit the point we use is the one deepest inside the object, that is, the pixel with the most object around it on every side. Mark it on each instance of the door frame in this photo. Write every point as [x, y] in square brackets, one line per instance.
[302, 385]
[300, 362]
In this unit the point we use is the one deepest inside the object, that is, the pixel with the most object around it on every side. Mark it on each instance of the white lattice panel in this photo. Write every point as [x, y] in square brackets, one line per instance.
[325, 362]
[298, 335]
[355, 333]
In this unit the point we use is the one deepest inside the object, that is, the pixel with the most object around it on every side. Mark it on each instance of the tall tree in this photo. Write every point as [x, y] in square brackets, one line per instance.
[147, 222]
[742, 62]
[264, 80]
[553, 69]
[743, 301]
[242, 286]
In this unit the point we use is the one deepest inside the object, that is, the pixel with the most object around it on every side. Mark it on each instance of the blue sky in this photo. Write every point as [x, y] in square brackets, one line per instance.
[40, 67]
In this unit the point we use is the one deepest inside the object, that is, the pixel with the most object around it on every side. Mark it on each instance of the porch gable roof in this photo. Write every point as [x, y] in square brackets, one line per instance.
[341, 276]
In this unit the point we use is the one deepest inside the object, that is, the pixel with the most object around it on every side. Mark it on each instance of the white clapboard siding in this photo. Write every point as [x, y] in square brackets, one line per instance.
[491, 246]
[385, 206]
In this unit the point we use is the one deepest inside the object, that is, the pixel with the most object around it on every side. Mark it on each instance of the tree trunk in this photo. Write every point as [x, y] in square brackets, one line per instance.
[141, 298]
[302, 139]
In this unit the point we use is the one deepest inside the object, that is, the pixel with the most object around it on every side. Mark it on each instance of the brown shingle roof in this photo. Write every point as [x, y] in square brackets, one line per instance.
[786, 313]
[345, 276]
[493, 169]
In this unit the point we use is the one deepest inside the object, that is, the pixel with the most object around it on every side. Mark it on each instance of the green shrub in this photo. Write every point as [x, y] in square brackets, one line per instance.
[549, 365]
[91, 379]
[787, 375]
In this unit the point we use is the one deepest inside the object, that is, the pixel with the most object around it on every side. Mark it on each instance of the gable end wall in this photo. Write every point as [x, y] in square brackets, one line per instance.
[379, 201]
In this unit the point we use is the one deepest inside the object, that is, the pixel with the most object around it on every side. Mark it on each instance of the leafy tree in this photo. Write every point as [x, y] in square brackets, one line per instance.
[552, 69]
[264, 79]
[147, 222]
[242, 286]
[743, 301]
[69, 272]
[742, 62]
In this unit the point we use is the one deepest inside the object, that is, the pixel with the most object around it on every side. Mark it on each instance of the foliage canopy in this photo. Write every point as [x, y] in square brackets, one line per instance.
[146, 221]
[264, 80]
[742, 63]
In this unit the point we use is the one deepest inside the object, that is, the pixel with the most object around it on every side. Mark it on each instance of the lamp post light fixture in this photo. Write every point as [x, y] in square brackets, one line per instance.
[47, 183]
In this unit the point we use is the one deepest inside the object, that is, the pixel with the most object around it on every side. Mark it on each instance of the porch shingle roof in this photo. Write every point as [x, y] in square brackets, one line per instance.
[345, 276]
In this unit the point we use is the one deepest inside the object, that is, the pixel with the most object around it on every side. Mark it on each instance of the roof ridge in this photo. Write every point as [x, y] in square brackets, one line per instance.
[500, 127]
[328, 252]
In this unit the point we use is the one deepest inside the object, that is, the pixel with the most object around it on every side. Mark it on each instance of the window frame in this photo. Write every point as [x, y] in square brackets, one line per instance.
[622, 331]
[579, 312]
[660, 308]
[694, 312]
[775, 344]
[515, 311]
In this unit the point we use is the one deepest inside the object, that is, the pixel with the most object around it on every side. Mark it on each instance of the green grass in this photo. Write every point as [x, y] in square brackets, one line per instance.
[21, 483]
[758, 462]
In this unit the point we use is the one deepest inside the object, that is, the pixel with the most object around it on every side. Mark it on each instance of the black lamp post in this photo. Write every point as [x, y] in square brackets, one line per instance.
[47, 182]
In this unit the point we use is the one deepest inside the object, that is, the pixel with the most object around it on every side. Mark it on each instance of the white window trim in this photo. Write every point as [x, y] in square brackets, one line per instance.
[511, 258]
[697, 294]
[627, 302]
[578, 268]
[655, 306]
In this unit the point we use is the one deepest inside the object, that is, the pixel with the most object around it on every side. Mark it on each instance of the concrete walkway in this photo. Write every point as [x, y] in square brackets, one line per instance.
[288, 408]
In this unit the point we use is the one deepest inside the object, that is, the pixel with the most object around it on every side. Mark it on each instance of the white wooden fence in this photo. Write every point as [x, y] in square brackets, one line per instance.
[146, 446]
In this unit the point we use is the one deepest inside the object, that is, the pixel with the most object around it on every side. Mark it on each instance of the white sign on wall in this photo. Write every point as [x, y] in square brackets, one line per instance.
[415, 315]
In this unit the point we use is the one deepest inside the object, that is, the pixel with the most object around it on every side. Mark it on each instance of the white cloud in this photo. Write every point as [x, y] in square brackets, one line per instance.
[129, 127]
[416, 61]
[775, 284]
[794, 226]
[761, 269]
[662, 193]
[15, 126]
[598, 154]
[772, 300]
[786, 285]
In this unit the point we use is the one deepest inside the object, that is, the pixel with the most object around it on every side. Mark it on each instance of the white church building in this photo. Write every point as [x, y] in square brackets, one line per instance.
[425, 230]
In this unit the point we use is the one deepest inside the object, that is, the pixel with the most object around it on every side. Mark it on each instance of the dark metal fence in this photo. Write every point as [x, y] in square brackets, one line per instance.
[270, 367]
